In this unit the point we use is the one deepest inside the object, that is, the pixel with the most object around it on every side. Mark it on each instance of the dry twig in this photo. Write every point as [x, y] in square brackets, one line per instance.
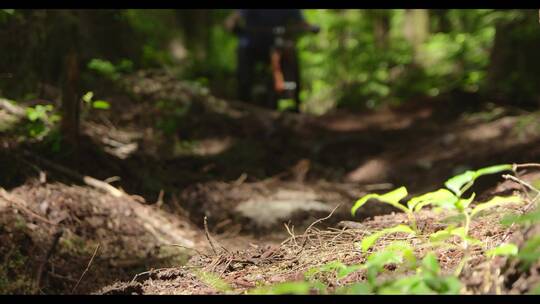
[207, 233]
[90, 181]
[318, 221]
[87, 267]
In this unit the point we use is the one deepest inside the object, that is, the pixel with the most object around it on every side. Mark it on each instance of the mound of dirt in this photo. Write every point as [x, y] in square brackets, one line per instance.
[130, 236]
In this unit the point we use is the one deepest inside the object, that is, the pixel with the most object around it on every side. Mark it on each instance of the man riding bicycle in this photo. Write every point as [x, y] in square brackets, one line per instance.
[256, 31]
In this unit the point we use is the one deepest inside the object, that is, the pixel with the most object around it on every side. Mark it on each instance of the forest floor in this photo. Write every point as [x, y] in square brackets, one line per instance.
[213, 188]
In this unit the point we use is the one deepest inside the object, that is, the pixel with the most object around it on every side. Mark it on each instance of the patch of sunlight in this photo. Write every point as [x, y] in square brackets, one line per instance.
[7, 121]
[203, 147]
[266, 212]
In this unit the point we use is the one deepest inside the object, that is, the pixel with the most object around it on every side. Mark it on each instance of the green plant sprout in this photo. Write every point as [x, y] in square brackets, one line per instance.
[450, 199]
[42, 118]
[212, 280]
[369, 241]
[96, 104]
[427, 277]
[426, 280]
[503, 250]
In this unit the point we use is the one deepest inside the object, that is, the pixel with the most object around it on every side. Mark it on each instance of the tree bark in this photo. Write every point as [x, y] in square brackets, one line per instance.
[513, 68]
[381, 27]
[70, 107]
[196, 24]
[416, 30]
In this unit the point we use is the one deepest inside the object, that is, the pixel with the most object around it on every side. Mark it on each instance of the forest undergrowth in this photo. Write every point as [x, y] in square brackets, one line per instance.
[196, 202]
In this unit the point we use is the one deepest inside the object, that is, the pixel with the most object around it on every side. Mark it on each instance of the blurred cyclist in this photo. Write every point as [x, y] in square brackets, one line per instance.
[254, 28]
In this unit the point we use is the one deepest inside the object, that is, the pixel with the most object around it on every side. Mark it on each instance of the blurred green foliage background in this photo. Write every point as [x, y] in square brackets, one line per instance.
[360, 59]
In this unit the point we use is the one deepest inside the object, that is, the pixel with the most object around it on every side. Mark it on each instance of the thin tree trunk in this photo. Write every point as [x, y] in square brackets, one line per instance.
[196, 24]
[70, 107]
[381, 27]
[416, 30]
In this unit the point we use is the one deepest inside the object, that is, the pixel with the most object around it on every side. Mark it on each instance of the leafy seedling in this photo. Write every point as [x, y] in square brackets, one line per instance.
[462, 182]
[392, 198]
[294, 288]
[503, 250]
[428, 280]
[369, 241]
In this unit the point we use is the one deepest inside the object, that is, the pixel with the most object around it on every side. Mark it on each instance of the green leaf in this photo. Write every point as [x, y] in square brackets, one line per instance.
[460, 231]
[32, 114]
[213, 280]
[407, 285]
[503, 250]
[101, 104]
[442, 235]
[495, 202]
[454, 219]
[347, 270]
[455, 183]
[405, 249]
[392, 198]
[300, 288]
[535, 290]
[356, 288]
[444, 285]
[88, 96]
[330, 266]
[367, 242]
[430, 263]
[441, 197]
[377, 260]
[525, 219]
[493, 169]
[530, 252]
[463, 203]
[460, 183]
[450, 231]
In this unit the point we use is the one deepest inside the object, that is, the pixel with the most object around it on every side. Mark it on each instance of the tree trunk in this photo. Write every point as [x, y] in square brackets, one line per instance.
[443, 23]
[381, 27]
[196, 24]
[70, 106]
[416, 30]
[514, 64]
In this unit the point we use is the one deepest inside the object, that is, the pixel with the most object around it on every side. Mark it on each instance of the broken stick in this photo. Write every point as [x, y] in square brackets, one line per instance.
[90, 181]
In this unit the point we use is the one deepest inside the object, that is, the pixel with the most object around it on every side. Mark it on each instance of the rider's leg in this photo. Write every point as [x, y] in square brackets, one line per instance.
[292, 74]
[295, 66]
[261, 57]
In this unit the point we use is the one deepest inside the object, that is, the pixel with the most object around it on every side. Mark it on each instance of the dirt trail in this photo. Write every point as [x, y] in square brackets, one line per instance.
[247, 170]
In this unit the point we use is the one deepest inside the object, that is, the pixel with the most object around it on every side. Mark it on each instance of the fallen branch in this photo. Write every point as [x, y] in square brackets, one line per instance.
[90, 181]
[530, 205]
[527, 165]
[11, 108]
[521, 182]
[87, 267]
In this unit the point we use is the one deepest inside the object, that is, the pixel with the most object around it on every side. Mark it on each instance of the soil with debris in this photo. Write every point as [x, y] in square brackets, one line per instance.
[259, 178]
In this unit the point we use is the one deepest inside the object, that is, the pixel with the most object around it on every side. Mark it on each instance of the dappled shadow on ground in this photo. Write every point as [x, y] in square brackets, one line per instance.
[247, 169]
[238, 145]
